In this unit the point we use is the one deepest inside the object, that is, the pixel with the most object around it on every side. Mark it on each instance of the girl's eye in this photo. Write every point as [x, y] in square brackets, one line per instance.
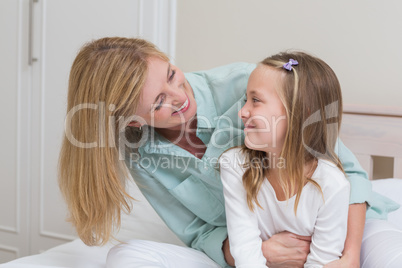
[160, 104]
[255, 100]
[172, 75]
[245, 99]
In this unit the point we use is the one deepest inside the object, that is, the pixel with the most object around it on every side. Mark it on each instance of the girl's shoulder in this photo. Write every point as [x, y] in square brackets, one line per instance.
[233, 158]
[233, 154]
[330, 177]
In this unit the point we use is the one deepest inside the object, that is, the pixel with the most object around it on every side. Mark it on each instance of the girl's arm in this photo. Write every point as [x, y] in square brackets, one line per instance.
[243, 231]
[351, 253]
[330, 227]
[281, 250]
[360, 194]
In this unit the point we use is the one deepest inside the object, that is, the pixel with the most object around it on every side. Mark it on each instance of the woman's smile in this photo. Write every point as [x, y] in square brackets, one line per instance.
[168, 94]
[182, 108]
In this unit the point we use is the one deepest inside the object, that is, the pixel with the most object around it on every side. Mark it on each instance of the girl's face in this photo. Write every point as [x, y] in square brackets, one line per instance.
[167, 99]
[264, 114]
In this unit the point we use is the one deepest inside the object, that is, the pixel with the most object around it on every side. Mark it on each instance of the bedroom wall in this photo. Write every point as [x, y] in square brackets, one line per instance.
[360, 39]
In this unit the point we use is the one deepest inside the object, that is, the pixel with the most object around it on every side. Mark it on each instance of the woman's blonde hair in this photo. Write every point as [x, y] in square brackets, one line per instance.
[105, 85]
[312, 97]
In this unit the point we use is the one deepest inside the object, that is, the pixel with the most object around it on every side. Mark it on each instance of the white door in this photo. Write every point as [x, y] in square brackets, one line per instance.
[33, 103]
[14, 135]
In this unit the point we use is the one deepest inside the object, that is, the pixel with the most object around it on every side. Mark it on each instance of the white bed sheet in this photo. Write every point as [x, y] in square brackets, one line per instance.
[73, 254]
[76, 254]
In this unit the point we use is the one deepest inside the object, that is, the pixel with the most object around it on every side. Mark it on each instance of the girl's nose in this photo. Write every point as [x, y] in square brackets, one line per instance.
[244, 112]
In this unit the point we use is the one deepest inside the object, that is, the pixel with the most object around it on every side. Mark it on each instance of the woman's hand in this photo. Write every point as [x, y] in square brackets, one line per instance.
[282, 250]
[286, 250]
[226, 252]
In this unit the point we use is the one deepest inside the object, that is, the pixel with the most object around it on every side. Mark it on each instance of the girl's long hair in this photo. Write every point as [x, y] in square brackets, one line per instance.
[312, 97]
[104, 89]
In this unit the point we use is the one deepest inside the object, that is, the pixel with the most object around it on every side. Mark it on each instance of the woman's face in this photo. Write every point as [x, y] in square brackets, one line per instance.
[167, 99]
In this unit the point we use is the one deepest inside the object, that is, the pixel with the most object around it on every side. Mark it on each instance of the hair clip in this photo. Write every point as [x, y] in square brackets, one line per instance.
[288, 65]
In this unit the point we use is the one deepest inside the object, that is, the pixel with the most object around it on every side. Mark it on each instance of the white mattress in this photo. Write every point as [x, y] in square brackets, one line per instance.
[76, 254]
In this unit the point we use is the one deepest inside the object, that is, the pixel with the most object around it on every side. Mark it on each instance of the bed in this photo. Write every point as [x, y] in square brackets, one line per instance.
[372, 134]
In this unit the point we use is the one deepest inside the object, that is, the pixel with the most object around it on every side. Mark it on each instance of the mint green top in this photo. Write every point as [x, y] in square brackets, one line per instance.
[186, 191]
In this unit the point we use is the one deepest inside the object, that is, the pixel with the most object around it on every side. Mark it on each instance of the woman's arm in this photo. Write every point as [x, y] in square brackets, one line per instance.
[281, 250]
[286, 250]
[351, 253]
[360, 186]
[191, 229]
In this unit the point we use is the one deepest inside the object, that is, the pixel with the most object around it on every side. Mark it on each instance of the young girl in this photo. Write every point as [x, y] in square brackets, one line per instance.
[287, 176]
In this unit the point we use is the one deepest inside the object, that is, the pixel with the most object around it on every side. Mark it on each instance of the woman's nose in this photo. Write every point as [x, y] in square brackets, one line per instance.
[176, 96]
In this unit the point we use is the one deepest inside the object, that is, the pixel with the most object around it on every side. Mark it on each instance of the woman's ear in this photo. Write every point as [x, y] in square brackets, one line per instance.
[134, 124]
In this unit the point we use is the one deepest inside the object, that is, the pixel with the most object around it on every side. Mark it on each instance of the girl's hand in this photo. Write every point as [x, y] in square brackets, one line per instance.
[344, 262]
[286, 250]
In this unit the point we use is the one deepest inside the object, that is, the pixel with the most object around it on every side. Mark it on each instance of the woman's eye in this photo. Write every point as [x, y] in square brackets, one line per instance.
[255, 100]
[160, 104]
[172, 75]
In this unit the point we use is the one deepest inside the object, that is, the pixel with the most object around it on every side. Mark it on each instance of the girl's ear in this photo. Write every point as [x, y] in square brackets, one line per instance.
[134, 124]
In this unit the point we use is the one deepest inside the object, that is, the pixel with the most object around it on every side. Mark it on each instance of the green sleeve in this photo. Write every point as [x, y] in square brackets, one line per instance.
[360, 186]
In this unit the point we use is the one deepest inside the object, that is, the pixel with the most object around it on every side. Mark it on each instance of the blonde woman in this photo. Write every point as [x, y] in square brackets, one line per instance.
[130, 109]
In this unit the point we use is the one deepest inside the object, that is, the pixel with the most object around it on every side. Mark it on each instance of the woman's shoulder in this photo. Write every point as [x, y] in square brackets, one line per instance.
[229, 68]
[224, 71]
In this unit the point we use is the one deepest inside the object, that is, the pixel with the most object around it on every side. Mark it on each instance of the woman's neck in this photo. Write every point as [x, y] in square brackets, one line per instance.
[187, 129]
[185, 138]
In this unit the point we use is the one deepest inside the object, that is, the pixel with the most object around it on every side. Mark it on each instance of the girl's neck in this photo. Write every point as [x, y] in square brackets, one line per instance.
[274, 179]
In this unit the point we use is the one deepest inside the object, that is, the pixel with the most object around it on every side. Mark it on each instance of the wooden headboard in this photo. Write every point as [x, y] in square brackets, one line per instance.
[373, 131]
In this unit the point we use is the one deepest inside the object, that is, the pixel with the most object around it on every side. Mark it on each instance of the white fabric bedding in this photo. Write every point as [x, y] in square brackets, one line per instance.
[141, 223]
[73, 254]
[144, 223]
